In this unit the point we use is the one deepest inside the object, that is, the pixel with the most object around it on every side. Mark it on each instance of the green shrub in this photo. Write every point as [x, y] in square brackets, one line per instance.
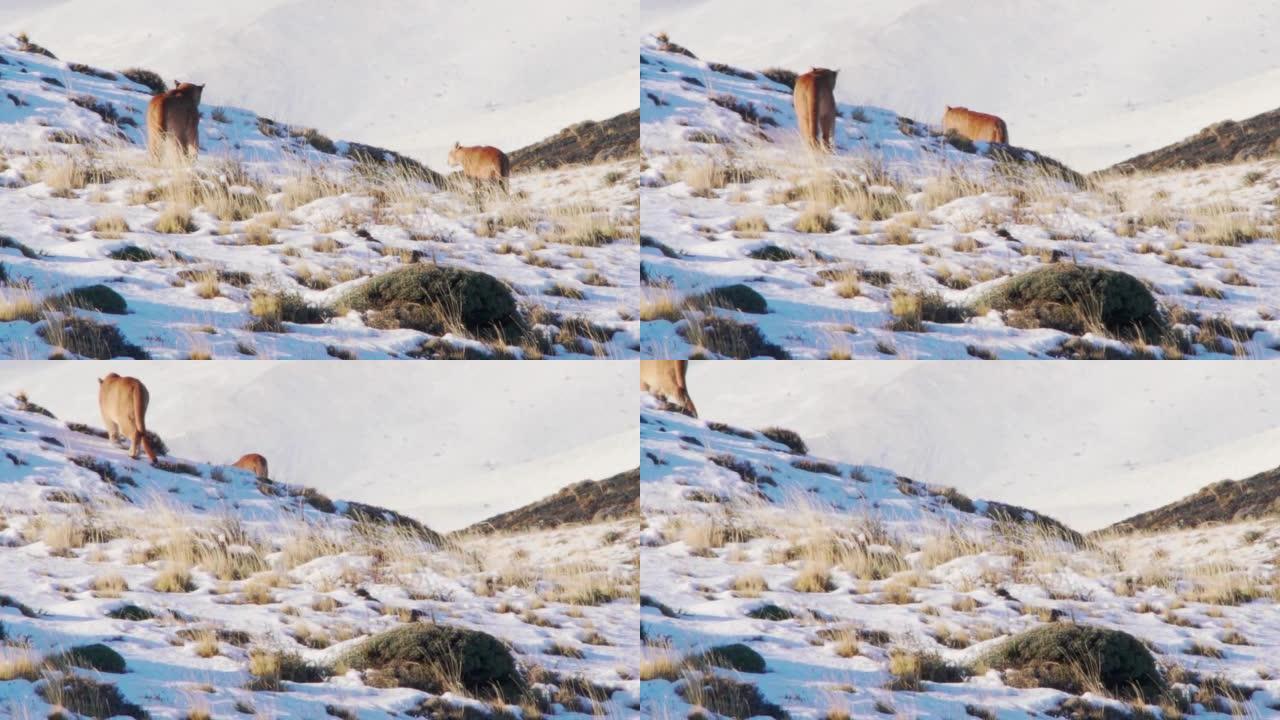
[433, 657]
[431, 298]
[728, 337]
[26, 610]
[649, 601]
[267, 669]
[25, 250]
[130, 612]
[95, 657]
[85, 696]
[271, 310]
[735, 656]
[1067, 657]
[960, 142]
[786, 437]
[317, 500]
[731, 698]
[771, 253]
[781, 75]
[89, 338]
[145, 77]
[132, 253]
[97, 297]
[736, 297]
[769, 611]
[1075, 298]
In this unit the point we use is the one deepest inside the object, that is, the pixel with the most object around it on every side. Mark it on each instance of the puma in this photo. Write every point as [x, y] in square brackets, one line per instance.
[815, 102]
[123, 402]
[481, 162]
[175, 115]
[254, 463]
[979, 127]
[665, 379]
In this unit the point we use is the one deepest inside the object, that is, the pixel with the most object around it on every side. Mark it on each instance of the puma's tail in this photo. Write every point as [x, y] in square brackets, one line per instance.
[155, 126]
[140, 425]
[688, 404]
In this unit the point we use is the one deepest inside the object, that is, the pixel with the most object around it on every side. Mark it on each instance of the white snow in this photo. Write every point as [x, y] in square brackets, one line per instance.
[317, 226]
[1087, 443]
[1091, 84]
[411, 76]
[947, 224]
[317, 586]
[909, 572]
[449, 443]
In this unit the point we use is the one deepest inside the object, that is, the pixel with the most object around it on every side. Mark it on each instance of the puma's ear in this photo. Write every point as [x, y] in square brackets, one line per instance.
[99, 381]
[177, 83]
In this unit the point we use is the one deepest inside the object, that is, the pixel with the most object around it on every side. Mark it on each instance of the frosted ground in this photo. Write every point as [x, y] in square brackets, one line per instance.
[896, 245]
[1124, 437]
[859, 593]
[443, 468]
[229, 597]
[415, 77]
[1091, 85]
[256, 250]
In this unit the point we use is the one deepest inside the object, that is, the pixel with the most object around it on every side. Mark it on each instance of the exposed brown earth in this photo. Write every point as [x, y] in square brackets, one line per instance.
[1222, 502]
[1224, 142]
[583, 143]
[584, 502]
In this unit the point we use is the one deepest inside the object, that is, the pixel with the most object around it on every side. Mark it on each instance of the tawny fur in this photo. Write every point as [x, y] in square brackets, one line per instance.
[979, 127]
[481, 162]
[254, 463]
[123, 402]
[174, 116]
[815, 103]
[665, 379]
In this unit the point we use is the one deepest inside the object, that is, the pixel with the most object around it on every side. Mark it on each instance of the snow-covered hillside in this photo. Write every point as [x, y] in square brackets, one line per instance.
[1088, 444]
[903, 243]
[414, 76]
[780, 584]
[263, 248]
[1091, 84]
[223, 596]
[444, 468]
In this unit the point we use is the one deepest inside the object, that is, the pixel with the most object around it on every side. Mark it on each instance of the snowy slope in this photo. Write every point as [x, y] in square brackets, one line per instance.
[412, 76]
[86, 532]
[271, 218]
[1087, 444]
[891, 247]
[844, 577]
[455, 442]
[1091, 84]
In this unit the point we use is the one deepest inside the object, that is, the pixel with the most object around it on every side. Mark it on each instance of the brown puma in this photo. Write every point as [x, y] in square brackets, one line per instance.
[665, 379]
[254, 463]
[481, 162]
[979, 127]
[123, 402]
[815, 102]
[175, 115]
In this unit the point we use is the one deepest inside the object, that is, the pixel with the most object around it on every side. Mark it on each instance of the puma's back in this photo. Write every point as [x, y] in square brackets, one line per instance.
[815, 104]
[482, 162]
[123, 403]
[254, 463]
[976, 126]
[175, 116]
